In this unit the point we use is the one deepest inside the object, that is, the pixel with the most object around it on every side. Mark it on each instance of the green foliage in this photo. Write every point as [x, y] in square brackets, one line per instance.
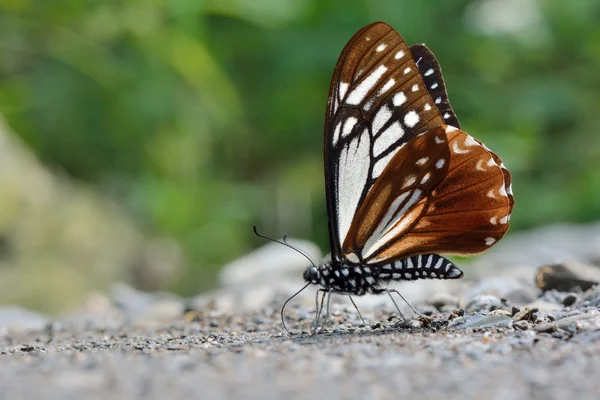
[205, 117]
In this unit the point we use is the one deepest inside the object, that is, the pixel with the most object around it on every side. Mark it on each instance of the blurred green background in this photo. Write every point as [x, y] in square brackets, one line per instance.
[201, 118]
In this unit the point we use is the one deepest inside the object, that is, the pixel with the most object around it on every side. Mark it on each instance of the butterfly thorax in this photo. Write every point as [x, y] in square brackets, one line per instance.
[344, 278]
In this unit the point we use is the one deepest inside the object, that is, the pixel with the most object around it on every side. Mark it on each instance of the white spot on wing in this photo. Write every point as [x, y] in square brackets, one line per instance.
[435, 85]
[387, 138]
[490, 241]
[360, 92]
[388, 85]
[336, 133]
[428, 72]
[399, 99]
[479, 166]
[450, 128]
[409, 180]
[381, 47]
[411, 119]
[406, 70]
[343, 89]
[414, 87]
[446, 115]
[438, 100]
[425, 178]
[427, 107]
[399, 55]
[493, 220]
[469, 141]
[502, 191]
[440, 163]
[348, 126]
[457, 149]
[422, 161]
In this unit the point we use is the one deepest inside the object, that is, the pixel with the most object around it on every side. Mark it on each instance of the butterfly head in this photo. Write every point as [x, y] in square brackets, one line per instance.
[312, 274]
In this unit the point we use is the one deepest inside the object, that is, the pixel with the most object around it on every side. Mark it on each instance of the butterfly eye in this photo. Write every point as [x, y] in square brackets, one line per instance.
[312, 275]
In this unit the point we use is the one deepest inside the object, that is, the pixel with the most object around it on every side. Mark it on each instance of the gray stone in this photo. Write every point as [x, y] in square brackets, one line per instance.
[588, 321]
[483, 303]
[526, 250]
[441, 299]
[480, 321]
[18, 319]
[513, 290]
[268, 264]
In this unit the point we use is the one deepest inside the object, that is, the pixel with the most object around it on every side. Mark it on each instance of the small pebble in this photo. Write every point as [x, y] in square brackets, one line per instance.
[569, 299]
[546, 327]
[521, 325]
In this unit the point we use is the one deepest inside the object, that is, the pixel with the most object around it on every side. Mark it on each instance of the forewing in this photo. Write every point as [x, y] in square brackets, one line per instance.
[443, 192]
[377, 102]
[434, 81]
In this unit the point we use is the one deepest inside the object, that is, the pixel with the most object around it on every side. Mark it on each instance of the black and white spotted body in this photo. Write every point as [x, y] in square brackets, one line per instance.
[354, 279]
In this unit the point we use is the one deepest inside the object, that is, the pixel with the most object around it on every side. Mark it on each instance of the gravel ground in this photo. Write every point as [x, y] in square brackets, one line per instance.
[500, 354]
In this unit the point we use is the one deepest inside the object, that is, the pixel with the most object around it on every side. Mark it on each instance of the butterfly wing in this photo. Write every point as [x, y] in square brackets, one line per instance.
[434, 81]
[455, 196]
[377, 102]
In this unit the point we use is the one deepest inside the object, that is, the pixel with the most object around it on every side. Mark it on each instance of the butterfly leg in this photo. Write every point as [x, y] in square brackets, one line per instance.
[402, 297]
[354, 304]
[396, 304]
[318, 309]
[328, 292]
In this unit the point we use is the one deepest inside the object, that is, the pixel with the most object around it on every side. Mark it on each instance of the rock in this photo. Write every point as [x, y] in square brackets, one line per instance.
[483, 303]
[96, 312]
[544, 306]
[544, 245]
[567, 276]
[146, 309]
[480, 321]
[525, 314]
[522, 325]
[439, 300]
[268, 264]
[546, 327]
[500, 312]
[570, 299]
[589, 321]
[513, 290]
[14, 319]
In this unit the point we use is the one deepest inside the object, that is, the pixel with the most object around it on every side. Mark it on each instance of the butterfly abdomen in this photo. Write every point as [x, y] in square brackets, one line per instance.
[426, 266]
[359, 280]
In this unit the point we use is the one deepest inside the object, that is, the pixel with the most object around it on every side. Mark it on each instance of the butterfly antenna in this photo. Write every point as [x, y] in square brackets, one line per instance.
[287, 301]
[299, 250]
[286, 244]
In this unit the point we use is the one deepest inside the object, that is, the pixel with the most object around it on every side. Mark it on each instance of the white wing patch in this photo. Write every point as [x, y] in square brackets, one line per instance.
[388, 138]
[348, 126]
[383, 115]
[353, 172]
[383, 162]
[390, 226]
[360, 92]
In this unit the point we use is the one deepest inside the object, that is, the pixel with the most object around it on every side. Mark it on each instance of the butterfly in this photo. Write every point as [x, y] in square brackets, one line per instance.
[403, 182]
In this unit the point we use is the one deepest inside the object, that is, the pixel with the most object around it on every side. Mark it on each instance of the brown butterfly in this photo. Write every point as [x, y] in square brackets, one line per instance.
[402, 181]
